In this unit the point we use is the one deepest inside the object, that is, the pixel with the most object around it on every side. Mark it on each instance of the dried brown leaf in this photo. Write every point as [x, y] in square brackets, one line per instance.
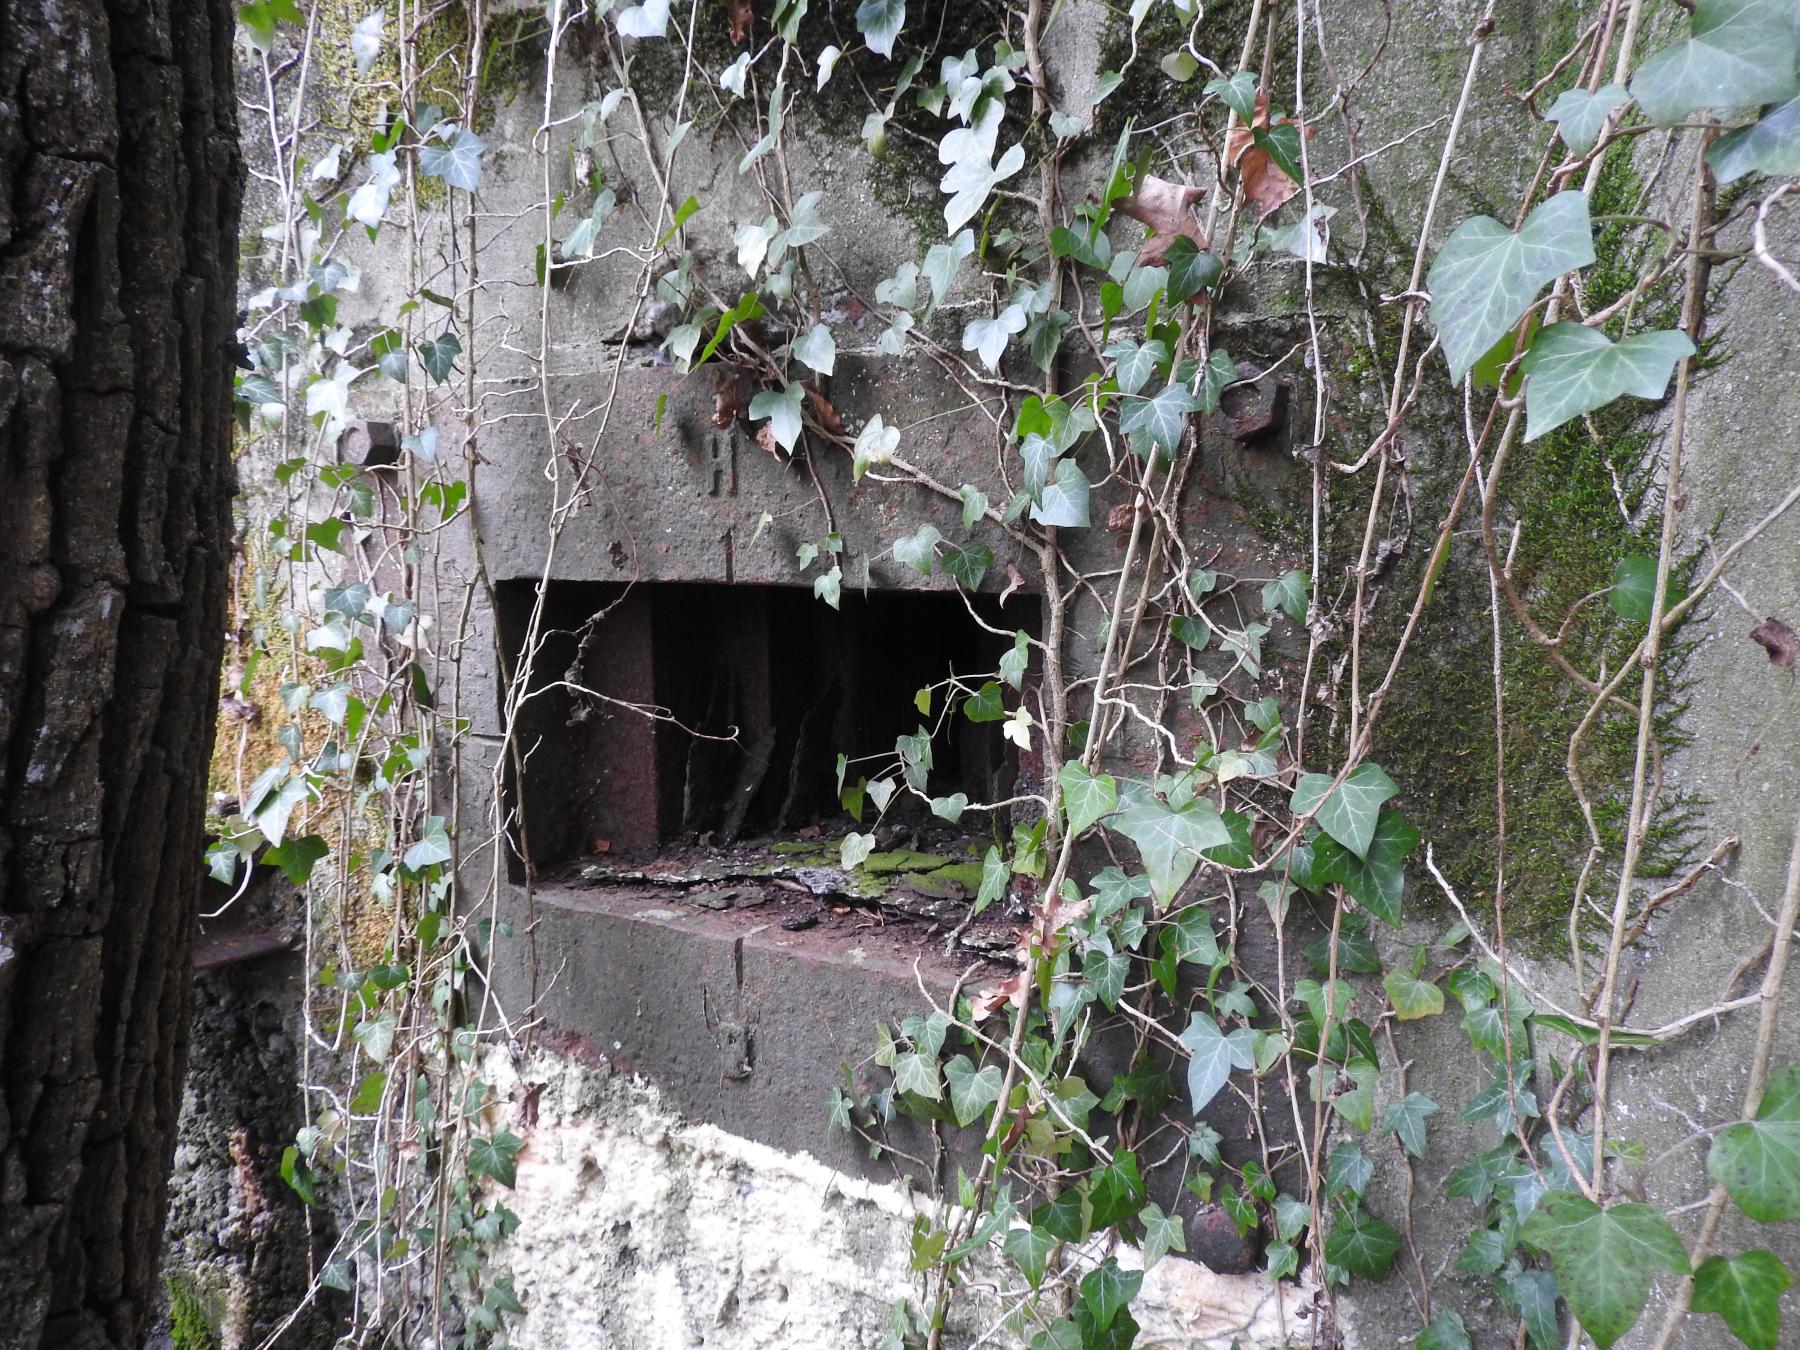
[742, 16]
[829, 421]
[728, 399]
[1778, 640]
[1262, 180]
[1165, 208]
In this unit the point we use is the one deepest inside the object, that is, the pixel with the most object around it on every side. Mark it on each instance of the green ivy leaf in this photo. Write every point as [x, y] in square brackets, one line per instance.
[493, 1156]
[969, 565]
[1362, 1244]
[1106, 973]
[1106, 1290]
[880, 22]
[1212, 1056]
[1485, 1252]
[972, 1090]
[438, 355]
[295, 857]
[1117, 1190]
[1579, 115]
[1633, 585]
[1532, 1295]
[1378, 882]
[1086, 796]
[1758, 1161]
[1169, 840]
[1485, 277]
[1029, 1249]
[781, 409]
[432, 846]
[1446, 1332]
[1281, 143]
[817, 349]
[1350, 813]
[1063, 1217]
[1191, 270]
[1575, 369]
[1407, 1120]
[1194, 938]
[1064, 500]
[458, 164]
[1348, 1171]
[1163, 1233]
[1160, 421]
[1237, 93]
[1746, 1291]
[985, 705]
[1287, 593]
[1741, 53]
[919, 549]
[1771, 145]
[950, 808]
[1135, 362]
[1603, 1258]
[918, 1073]
[1191, 630]
[995, 875]
[1412, 997]
[376, 1035]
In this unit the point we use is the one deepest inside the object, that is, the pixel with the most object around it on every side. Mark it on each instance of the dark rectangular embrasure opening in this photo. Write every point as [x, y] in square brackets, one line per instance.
[673, 713]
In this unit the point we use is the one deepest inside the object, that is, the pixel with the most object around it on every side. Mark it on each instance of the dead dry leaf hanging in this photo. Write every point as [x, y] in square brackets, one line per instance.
[1778, 640]
[742, 16]
[1165, 208]
[1247, 149]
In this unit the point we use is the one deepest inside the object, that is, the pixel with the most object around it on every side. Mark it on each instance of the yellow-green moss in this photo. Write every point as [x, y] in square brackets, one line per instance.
[193, 1321]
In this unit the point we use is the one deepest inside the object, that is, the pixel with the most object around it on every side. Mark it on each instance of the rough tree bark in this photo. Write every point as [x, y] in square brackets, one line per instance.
[119, 190]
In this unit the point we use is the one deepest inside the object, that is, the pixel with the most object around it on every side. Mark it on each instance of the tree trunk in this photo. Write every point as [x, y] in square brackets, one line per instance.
[119, 192]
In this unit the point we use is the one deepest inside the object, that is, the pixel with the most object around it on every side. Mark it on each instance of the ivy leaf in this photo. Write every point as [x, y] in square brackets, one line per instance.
[1191, 270]
[1212, 1056]
[1159, 421]
[1407, 1119]
[1191, 630]
[376, 1035]
[1170, 840]
[1603, 1258]
[1575, 369]
[830, 586]
[994, 876]
[1412, 997]
[1348, 1171]
[1194, 938]
[1117, 1190]
[916, 1073]
[459, 163]
[919, 549]
[1579, 115]
[432, 846]
[1287, 593]
[648, 20]
[1532, 1295]
[1134, 362]
[365, 41]
[987, 338]
[1446, 1332]
[1086, 796]
[854, 850]
[1163, 1233]
[439, 356]
[817, 348]
[1237, 93]
[984, 704]
[972, 1091]
[1741, 53]
[1029, 1249]
[943, 261]
[1349, 814]
[1362, 1244]
[880, 22]
[875, 444]
[950, 808]
[1062, 1218]
[1378, 882]
[1746, 1291]
[1105, 1290]
[1485, 276]
[1105, 973]
[781, 409]
[1771, 145]
[1758, 1161]
[1633, 585]
[1064, 500]
[970, 182]
[969, 565]
[493, 1156]
[974, 504]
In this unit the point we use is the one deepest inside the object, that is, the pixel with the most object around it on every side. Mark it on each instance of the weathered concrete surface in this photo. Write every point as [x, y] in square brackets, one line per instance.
[642, 1231]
